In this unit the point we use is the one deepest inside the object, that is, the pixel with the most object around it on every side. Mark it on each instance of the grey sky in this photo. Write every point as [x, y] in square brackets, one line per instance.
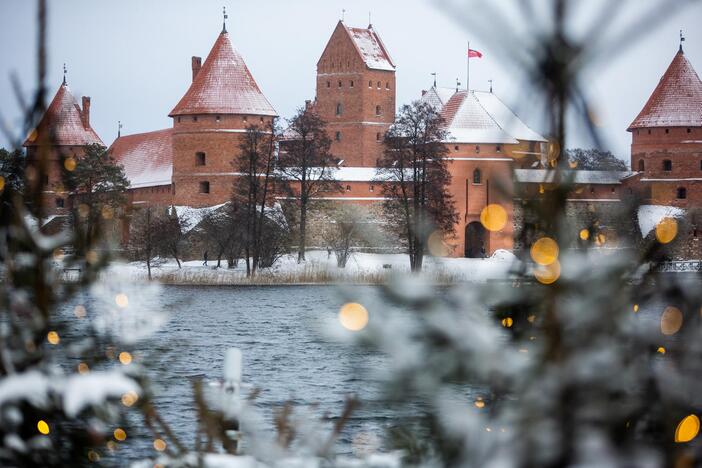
[133, 56]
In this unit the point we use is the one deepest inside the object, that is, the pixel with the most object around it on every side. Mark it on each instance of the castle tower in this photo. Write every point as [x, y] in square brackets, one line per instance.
[666, 146]
[356, 94]
[64, 130]
[208, 124]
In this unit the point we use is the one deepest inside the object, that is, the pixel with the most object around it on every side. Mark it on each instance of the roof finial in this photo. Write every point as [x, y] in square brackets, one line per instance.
[64, 74]
[458, 84]
[682, 39]
[343, 14]
[434, 75]
[119, 128]
[224, 20]
[490, 81]
[370, 23]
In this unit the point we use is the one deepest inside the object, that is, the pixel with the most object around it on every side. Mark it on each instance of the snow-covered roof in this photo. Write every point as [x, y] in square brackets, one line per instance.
[478, 117]
[371, 48]
[650, 215]
[676, 101]
[62, 123]
[539, 176]
[224, 85]
[147, 158]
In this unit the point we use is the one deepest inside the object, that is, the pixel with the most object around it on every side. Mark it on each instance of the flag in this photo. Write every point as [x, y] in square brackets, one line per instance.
[474, 54]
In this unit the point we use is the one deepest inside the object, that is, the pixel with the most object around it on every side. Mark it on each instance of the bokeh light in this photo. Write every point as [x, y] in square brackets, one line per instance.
[2, 183]
[507, 322]
[636, 308]
[125, 358]
[122, 300]
[43, 427]
[548, 274]
[159, 445]
[666, 230]
[493, 217]
[437, 246]
[353, 316]
[479, 403]
[584, 234]
[69, 164]
[119, 434]
[671, 320]
[660, 350]
[687, 429]
[53, 338]
[80, 311]
[93, 456]
[544, 251]
[83, 368]
[129, 398]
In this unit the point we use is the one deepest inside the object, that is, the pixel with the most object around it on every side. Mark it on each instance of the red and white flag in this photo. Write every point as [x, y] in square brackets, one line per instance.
[472, 53]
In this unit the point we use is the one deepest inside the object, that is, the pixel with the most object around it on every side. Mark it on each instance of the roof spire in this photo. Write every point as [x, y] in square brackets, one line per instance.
[343, 14]
[434, 75]
[458, 84]
[490, 81]
[224, 20]
[682, 39]
[119, 128]
[370, 23]
[64, 74]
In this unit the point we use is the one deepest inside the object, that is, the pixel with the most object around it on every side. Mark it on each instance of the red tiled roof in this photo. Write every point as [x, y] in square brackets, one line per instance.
[676, 101]
[62, 123]
[223, 85]
[147, 158]
[371, 48]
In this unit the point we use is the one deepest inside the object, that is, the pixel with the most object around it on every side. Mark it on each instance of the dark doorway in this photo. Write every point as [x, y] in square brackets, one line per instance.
[475, 240]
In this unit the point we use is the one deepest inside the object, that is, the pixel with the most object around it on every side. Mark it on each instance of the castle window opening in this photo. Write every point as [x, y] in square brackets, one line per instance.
[351, 84]
[337, 137]
[246, 119]
[667, 165]
[377, 110]
[681, 193]
[371, 188]
[387, 85]
[689, 130]
[340, 85]
[204, 187]
[642, 165]
[498, 148]
[370, 84]
[328, 84]
[200, 158]
[194, 118]
[348, 188]
[477, 148]
[377, 136]
[649, 131]
[339, 109]
[477, 176]
[378, 84]
[455, 148]
[60, 202]
[667, 130]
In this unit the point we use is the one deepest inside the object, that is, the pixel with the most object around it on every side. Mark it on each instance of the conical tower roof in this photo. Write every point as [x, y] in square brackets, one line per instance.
[62, 123]
[223, 85]
[676, 101]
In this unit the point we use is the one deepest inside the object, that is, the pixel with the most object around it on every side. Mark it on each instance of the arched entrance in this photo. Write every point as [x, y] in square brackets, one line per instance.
[476, 240]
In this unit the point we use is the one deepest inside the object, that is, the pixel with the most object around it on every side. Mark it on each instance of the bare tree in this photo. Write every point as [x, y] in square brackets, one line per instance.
[305, 160]
[415, 178]
[255, 187]
[594, 160]
[144, 235]
[344, 230]
[171, 230]
[221, 229]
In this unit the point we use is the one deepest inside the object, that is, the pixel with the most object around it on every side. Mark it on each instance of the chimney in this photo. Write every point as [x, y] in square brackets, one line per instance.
[85, 115]
[197, 64]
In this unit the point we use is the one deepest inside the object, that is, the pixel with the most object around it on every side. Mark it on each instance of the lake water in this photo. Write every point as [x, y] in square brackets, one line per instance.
[288, 354]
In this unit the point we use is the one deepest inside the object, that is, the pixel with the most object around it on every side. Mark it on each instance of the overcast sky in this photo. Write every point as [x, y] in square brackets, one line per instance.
[133, 56]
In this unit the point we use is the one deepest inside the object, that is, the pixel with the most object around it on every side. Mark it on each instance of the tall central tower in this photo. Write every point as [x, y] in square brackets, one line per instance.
[356, 94]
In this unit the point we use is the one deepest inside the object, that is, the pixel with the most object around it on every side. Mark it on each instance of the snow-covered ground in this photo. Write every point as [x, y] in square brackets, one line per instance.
[321, 268]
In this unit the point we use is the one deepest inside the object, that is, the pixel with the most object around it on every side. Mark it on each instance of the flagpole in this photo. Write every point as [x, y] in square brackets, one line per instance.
[468, 68]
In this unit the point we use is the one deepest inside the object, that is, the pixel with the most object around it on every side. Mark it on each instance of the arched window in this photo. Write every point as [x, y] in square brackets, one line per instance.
[641, 165]
[667, 165]
[339, 109]
[682, 193]
[477, 177]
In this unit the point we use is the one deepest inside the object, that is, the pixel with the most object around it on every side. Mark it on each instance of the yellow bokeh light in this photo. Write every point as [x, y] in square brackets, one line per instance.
[493, 217]
[660, 350]
[548, 274]
[129, 398]
[584, 234]
[111, 445]
[687, 429]
[544, 251]
[437, 246]
[69, 164]
[122, 300]
[119, 434]
[353, 316]
[125, 358]
[666, 230]
[636, 308]
[507, 322]
[83, 368]
[93, 456]
[479, 403]
[600, 239]
[573, 164]
[43, 427]
[53, 338]
[2, 183]
[531, 318]
[671, 320]
[80, 311]
[159, 445]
